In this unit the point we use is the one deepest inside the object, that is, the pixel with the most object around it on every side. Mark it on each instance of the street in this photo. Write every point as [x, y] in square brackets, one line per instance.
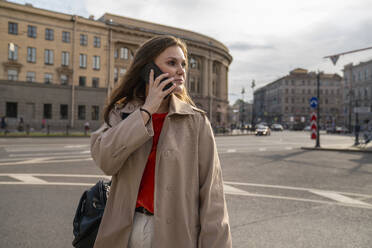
[278, 195]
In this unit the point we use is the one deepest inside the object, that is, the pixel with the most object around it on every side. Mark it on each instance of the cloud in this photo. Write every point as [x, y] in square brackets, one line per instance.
[245, 46]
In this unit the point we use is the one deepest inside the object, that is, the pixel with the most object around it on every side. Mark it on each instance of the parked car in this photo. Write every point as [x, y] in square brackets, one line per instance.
[341, 130]
[262, 130]
[277, 127]
[307, 128]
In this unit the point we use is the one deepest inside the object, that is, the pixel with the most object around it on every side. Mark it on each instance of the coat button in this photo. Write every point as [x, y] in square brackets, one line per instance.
[169, 220]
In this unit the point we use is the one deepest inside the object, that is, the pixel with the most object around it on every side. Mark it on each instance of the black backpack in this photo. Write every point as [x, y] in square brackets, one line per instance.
[89, 214]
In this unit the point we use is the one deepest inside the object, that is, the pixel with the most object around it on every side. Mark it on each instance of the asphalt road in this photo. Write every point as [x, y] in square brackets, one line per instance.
[277, 194]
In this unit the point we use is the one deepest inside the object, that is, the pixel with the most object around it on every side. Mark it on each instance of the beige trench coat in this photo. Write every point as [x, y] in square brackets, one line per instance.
[189, 204]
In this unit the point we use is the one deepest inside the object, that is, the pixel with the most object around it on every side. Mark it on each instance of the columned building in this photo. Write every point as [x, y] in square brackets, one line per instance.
[60, 68]
[286, 100]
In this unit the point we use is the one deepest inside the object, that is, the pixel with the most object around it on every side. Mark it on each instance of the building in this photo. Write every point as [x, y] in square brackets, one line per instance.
[240, 114]
[286, 100]
[60, 68]
[357, 93]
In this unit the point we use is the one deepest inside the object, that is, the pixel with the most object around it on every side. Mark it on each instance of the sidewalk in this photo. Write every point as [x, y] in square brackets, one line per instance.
[361, 148]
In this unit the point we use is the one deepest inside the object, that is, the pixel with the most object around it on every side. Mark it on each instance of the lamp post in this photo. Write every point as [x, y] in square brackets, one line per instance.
[253, 84]
[357, 126]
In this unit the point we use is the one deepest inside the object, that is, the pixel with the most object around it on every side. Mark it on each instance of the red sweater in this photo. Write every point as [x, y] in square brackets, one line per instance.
[146, 191]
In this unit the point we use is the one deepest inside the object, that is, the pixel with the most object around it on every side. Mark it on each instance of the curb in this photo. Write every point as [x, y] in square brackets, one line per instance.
[337, 149]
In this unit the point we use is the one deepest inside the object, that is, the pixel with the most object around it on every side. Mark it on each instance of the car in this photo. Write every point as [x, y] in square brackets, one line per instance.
[307, 128]
[277, 127]
[341, 130]
[262, 130]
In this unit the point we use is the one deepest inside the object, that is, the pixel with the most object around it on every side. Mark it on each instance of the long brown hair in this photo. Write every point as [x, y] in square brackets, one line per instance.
[131, 85]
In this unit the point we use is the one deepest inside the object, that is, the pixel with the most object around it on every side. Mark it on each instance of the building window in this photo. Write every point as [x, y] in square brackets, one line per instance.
[31, 54]
[12, 75]
[12, 28]
[64, 79]
[82, 81]
[12, 52]
[96, 62]
[193, 63]
[81, 112]
[31, 31]
[95, 113]
[115, 74]
[292, 91]
[47, 113]
[116, 53]
[286, 91]
[49, 34]
[48, 78]
[192, 84]
[97, 42]
[63, 111]
[95, 82]
[214, 88]
[11, 109]
[65, 58]
[124, 53]
[83, 61]
[83, 39]
[30, 76]
[65, 37]
[48, 57]
[122, 71]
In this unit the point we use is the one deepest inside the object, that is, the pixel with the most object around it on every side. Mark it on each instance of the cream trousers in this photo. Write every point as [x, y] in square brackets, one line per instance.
[142, 231]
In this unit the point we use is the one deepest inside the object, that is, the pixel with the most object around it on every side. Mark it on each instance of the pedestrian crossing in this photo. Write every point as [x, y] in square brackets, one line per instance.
[345, 199]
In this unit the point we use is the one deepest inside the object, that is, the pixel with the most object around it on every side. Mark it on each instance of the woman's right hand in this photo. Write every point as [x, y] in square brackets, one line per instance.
[156, 94]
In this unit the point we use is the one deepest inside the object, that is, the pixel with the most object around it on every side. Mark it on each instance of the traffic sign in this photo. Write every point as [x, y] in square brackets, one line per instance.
[314, 102]
[313, 134]
[313, 117]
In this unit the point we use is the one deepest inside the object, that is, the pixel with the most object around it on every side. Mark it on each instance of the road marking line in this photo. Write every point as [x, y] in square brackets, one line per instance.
[262, 149]
[27, 179]
[288, 148]
[292, 188]
[48, 154]
[338, 197]
[304, 200]
[232, 190]
[57, 175]
[75, 146]
[231, 150]
[43, 161]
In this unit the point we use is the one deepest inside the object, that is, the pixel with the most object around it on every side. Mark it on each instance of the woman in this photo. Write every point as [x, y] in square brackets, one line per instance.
[167, 188]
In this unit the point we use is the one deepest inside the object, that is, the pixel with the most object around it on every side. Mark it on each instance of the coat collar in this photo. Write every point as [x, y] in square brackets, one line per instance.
[177, 106]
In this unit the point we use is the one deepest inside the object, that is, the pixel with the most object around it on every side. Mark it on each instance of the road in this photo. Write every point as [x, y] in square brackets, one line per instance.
[277, 194]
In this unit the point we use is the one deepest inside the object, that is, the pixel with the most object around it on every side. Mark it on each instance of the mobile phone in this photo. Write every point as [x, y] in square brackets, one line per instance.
[145, 74]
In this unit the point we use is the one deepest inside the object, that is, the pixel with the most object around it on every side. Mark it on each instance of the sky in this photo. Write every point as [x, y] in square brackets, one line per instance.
[266, 38]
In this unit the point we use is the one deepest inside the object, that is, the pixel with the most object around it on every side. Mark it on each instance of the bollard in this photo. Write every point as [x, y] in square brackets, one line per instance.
[48, 127]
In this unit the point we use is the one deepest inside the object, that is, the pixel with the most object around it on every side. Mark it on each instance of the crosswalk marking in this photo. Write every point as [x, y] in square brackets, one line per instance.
[338, 197]
[28, 179]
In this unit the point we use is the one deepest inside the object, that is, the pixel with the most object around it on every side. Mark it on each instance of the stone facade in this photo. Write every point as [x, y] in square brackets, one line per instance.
[56, 49]
[286, 100]
[357, 93]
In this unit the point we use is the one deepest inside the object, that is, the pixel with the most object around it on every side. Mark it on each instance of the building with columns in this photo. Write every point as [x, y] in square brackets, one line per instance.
[60, 68]
[286, 100]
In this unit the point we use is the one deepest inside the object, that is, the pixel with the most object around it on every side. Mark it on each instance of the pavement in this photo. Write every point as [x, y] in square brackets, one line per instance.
[342, 148]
